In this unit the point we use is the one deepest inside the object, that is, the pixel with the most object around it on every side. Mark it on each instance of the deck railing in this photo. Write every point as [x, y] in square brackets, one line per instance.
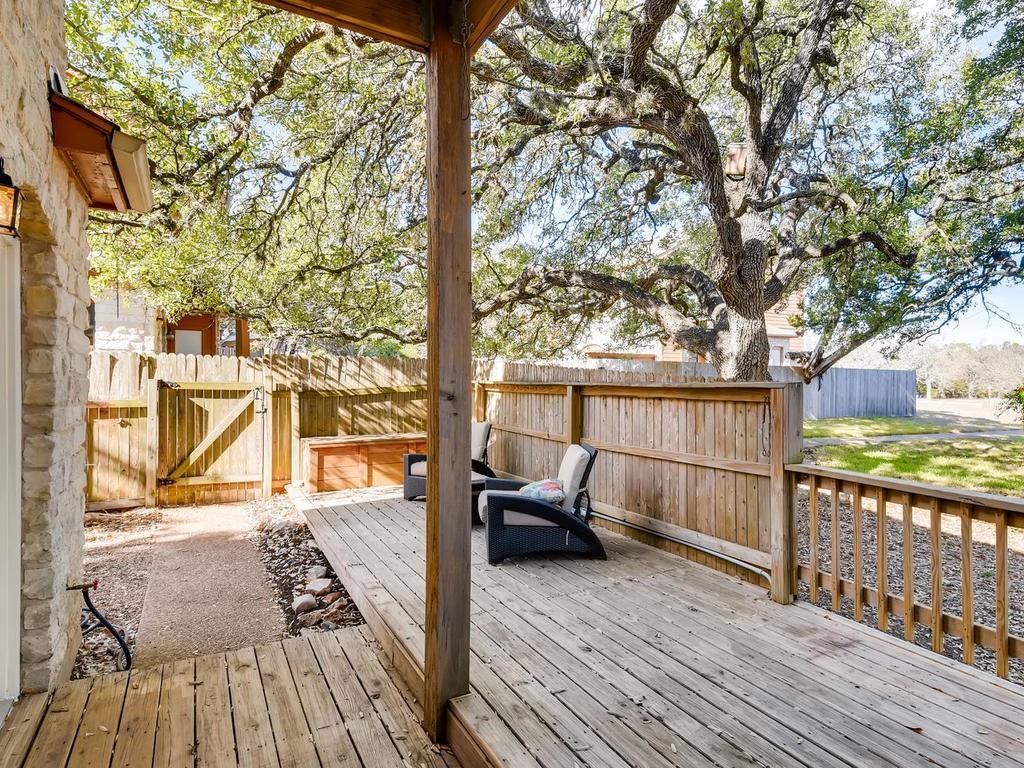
[920, 572]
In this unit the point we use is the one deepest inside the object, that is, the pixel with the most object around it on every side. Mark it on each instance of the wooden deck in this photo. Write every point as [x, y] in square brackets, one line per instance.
[650, 660]
[322, 700]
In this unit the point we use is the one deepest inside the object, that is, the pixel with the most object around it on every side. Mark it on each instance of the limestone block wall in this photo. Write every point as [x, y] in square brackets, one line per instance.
[55, 296]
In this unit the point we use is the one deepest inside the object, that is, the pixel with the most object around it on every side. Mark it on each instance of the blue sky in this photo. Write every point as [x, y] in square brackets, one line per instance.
[979, 326]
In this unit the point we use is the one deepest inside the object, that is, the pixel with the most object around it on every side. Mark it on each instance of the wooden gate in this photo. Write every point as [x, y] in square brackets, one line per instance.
[209, 440]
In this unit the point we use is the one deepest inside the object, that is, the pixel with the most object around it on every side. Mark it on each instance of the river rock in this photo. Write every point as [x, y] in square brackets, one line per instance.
[303, 604]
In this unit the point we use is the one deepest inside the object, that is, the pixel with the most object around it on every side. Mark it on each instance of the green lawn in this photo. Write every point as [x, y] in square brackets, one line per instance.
[893, 425]
[993, 466]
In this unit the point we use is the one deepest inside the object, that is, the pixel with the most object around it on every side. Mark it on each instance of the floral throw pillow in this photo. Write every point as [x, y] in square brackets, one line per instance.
[545, 490]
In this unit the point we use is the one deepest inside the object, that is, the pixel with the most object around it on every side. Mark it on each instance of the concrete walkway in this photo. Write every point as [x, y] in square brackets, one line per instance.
[990, 434]
[208, 590]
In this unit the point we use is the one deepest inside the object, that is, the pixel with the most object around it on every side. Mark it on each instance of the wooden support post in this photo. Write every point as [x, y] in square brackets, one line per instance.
[449, 364]
[573, 414]
[787, 412]
[268, 437]
[296, 433]
[152, 438]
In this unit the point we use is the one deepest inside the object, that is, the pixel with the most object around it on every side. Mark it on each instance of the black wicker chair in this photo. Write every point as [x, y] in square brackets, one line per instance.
[520, 525]
[415, 474]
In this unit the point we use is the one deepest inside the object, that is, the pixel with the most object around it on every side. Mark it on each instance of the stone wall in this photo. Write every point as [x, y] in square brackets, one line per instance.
[55, 295]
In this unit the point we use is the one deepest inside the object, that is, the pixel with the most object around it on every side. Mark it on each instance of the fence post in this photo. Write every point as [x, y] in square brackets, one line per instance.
[787, 411]
[268, 436]
[152, 436]
[479, 402]
[573, 414]
[296, 430]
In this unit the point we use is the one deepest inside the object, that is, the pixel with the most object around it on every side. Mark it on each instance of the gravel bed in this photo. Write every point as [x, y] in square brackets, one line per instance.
[118, 552]
[982, 562]
[306, 587]
[119, 548]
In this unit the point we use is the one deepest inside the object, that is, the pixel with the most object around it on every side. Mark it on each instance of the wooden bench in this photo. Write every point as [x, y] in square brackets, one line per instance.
[357, 461]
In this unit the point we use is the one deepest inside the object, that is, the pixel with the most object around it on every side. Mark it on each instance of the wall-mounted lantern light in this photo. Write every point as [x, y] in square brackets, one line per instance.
[736, 161]
[10, 203]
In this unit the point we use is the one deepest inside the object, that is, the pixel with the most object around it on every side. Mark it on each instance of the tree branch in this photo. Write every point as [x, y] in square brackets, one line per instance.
[641, 38]
[809, 52]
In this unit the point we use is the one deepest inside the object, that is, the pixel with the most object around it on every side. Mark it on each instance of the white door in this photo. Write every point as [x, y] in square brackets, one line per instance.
[188, 342]
[10, 471]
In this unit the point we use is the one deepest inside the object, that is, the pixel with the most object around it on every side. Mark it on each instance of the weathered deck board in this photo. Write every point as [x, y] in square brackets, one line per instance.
[651, 660]
[323, 701]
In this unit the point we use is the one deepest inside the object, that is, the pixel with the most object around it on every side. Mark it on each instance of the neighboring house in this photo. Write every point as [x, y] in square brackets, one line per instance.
[783, 338]
[63, 159]
[125, 323]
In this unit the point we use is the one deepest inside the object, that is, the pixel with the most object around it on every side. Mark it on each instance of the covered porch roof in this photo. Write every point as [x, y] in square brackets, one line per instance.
[404, 22]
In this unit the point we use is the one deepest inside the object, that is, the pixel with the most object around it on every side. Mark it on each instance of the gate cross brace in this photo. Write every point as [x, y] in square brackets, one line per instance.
[218, 429]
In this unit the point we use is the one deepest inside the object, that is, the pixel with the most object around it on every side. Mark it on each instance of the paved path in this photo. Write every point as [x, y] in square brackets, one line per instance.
[815, 442]
[208, 591]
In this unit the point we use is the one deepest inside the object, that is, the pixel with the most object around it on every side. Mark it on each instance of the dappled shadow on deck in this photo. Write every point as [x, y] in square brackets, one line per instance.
[650, 660]
[321, 701]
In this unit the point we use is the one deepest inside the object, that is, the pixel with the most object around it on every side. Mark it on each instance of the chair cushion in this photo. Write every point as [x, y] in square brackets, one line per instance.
[574, 464]
[479, 435]
[419, 469]
[512, 518]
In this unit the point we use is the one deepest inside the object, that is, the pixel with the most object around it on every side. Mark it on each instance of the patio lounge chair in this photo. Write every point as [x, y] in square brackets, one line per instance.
[415, 484]
[520, 525]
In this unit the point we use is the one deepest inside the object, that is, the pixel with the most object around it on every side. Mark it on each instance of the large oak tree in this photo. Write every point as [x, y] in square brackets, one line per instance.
[874, 178]
[882, 173]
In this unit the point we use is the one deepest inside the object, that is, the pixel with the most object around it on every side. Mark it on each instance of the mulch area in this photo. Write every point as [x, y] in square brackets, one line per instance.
[118, 552]
[983, 570]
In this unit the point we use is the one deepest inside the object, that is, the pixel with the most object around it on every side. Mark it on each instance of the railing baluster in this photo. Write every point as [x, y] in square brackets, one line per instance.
[967, 583]
[996, 634]
[908, 567]
[936, 540]
[1002, 628]
[837, 571]
[882, 557]
[856, 500]
[812, 507]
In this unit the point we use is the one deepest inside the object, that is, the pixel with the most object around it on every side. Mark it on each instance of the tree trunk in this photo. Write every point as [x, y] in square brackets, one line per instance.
[742, 351]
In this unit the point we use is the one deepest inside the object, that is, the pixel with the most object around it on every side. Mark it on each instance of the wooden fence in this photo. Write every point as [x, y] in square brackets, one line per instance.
[837, 393]
[181, 429]
[949, 542]
[696, 468]
[858, 392]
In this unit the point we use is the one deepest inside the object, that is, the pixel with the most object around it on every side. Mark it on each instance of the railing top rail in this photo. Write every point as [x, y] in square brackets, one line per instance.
[977, 498]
